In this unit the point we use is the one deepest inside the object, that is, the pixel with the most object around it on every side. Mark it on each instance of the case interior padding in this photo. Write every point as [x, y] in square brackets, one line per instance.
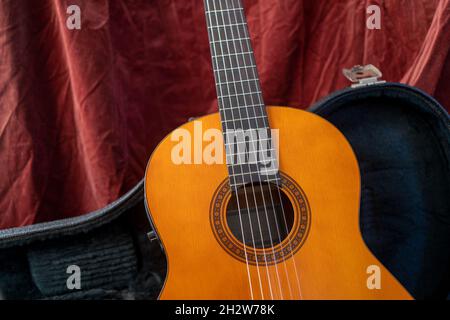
[116, 260]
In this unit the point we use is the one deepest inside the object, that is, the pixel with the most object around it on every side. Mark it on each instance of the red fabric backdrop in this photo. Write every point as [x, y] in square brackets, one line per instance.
[81, 111]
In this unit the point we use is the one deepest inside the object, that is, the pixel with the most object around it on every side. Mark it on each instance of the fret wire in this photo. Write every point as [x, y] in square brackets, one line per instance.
[227, 25]
[257, 125]
[266, 173]
[218, 11]
[260, 121]
[229, 40]
[256, 166]
[248, 142]
[247, 153]
[235, 68]
[236, 62]
[232, 54]
[240, 94]
[234, 82]
[235, 166]
[244, 106]
[246, 163]
[245, 119]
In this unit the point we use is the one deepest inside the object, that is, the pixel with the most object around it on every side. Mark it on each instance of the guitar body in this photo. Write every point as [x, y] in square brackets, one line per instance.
[322, 257]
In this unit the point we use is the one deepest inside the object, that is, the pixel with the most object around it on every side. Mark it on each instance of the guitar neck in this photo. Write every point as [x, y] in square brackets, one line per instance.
[241, 104]
[239, 94]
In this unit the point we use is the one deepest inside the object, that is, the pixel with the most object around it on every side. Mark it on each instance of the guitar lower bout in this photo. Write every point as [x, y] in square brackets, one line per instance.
[296, 239]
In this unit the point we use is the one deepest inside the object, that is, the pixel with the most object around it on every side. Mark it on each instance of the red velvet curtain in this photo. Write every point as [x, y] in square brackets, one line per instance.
[82, 110]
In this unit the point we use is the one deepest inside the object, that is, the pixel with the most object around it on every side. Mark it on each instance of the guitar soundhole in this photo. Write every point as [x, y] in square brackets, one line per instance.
[260, 215]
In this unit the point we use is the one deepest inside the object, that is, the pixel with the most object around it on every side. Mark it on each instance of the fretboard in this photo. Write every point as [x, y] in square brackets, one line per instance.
[241, 104]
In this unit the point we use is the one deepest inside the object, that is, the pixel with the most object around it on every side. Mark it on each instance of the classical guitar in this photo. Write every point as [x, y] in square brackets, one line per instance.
[256, 202]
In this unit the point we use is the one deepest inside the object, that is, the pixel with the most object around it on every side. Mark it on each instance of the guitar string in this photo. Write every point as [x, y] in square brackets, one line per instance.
[254, 71]
[249, 125]
[239, 156]
[279, 192]
[239, 36]
[270, 190]
[208, 13]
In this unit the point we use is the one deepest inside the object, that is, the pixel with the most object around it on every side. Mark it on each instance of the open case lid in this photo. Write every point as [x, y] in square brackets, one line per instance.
[401, 137]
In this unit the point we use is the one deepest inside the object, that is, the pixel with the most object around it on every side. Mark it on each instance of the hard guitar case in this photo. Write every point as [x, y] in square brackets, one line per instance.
[401, 137]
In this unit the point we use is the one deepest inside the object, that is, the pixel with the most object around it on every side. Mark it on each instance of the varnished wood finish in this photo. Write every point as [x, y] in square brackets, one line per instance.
[332, 262]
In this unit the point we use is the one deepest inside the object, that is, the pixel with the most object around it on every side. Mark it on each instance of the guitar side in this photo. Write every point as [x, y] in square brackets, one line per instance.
[333, 261]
